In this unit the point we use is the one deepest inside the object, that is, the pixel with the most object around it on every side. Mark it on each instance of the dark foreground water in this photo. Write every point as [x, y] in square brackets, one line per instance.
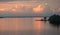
[27, 26]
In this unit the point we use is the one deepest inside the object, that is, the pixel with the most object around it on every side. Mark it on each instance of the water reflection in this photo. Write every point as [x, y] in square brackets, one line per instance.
[38, 26]
[26, 26]
[49, 28]
[55, 24]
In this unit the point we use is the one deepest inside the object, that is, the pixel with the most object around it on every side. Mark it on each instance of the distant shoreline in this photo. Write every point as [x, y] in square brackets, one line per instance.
[21, 16]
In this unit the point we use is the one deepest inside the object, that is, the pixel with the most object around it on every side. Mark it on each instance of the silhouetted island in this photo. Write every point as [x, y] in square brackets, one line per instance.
[55, 19]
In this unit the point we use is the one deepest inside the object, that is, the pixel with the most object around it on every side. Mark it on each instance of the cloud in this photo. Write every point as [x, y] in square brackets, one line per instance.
[24, 7]
[39, 8]
[19, 0]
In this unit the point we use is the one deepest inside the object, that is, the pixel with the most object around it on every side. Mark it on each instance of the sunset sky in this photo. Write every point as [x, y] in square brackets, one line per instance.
[29, 7]
[26, 8]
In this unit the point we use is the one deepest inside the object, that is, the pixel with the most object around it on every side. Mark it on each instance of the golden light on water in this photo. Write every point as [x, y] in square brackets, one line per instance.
[38, 25]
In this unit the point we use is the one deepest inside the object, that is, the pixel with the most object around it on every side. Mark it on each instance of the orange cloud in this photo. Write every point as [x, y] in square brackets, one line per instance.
[39, 8]
[2, 9]
[9, 7]
[14, 7]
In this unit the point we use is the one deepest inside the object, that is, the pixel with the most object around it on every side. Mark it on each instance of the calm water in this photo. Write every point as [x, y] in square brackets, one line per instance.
[27, 26]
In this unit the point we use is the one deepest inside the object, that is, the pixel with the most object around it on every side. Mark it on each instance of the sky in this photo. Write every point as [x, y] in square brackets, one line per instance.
[29, 7]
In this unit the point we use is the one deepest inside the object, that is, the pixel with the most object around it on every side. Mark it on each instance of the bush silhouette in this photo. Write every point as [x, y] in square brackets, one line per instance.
[54, 19]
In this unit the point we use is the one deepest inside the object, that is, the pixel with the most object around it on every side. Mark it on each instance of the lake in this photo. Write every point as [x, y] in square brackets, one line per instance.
[27, 26]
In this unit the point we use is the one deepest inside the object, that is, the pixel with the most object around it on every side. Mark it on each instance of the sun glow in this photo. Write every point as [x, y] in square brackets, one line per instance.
[39, 8]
